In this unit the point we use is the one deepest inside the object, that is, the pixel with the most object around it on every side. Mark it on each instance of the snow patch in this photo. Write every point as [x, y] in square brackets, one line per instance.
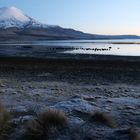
[14, 17]
[13, 13]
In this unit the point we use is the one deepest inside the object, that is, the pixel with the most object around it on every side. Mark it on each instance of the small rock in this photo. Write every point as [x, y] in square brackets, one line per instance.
[75, 104]
[22, 119]
[130, 107]
[19, 109]
[75, 120]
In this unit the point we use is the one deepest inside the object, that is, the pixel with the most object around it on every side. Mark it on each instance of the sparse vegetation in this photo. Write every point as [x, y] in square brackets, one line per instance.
[1, 83]
[134, 134]
[104, 118]
[4, 122]
[45, 123]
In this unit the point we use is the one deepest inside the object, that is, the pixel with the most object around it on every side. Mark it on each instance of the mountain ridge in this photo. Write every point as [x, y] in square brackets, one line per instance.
[15, 25]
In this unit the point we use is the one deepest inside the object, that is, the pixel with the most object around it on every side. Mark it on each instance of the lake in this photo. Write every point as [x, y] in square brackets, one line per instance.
[122, 47]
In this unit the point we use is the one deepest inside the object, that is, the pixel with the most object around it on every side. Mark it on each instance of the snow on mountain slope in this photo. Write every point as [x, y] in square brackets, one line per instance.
[12, 12]
[13, 17]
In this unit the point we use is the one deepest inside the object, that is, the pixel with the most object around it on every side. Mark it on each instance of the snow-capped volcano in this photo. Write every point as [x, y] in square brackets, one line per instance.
[27, 28]
[13, 17]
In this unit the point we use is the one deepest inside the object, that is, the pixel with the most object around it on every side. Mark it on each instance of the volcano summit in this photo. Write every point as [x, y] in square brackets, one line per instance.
[16, 25]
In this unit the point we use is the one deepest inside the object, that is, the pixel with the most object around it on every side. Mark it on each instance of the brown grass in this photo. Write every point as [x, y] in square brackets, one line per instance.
[4, 122]
[134, 134]
[104, 118]
[41, 126]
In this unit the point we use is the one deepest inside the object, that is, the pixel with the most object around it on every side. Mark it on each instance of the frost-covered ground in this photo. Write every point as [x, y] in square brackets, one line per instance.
[77, 88]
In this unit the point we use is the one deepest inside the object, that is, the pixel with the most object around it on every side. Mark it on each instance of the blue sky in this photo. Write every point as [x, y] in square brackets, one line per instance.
[92, 16]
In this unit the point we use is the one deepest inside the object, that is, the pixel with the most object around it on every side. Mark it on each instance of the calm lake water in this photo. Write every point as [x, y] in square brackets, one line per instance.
[130, 47]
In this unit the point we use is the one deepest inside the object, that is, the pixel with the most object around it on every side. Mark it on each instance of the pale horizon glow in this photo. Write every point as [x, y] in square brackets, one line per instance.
[91, 16]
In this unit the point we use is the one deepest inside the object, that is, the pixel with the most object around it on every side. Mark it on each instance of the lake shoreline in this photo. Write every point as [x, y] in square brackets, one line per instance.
[72, 48]
[70, 57]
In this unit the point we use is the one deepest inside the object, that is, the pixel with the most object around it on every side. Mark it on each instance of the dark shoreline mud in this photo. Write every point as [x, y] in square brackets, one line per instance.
[97, 68]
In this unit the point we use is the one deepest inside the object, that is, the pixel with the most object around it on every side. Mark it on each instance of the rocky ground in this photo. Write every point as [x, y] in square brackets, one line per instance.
[78, 88]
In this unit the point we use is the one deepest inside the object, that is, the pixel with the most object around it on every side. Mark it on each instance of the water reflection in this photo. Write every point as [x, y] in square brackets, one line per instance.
[105, 47]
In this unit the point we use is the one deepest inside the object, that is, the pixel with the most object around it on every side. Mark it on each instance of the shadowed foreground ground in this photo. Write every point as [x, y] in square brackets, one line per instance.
[78, 88]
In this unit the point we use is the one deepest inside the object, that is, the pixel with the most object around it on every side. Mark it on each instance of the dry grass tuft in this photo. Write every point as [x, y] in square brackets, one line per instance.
[104, 118]
[4, 122]
[1, 83]
[44, 123]
[134, 134]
